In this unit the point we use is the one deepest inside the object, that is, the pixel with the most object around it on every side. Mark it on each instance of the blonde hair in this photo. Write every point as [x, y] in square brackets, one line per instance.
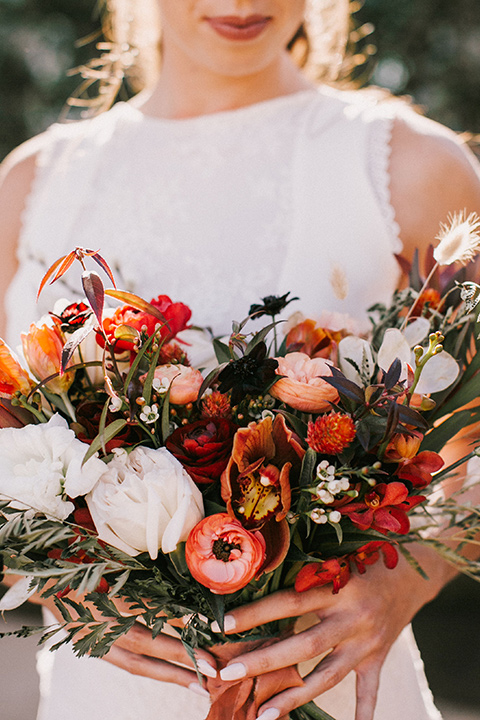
[132, 49]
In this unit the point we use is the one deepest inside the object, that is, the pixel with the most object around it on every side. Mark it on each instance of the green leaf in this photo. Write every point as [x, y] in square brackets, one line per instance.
[307, 471]
[147, 385]
[222, 351]
[315, 713]
[166, 416]
[110, 432]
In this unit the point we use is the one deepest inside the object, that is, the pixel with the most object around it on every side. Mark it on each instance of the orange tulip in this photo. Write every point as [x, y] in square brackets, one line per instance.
[302, 386]
[13, 378]
[42, 347]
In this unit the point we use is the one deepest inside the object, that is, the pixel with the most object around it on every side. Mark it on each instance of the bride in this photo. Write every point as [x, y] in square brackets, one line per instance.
[232, 177]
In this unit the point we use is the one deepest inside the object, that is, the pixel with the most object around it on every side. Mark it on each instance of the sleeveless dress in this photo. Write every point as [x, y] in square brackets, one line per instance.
[218, 211]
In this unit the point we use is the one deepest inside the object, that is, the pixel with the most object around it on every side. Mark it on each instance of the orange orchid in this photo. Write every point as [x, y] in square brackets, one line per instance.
[256, 481]
[13, 378]
[42, 347]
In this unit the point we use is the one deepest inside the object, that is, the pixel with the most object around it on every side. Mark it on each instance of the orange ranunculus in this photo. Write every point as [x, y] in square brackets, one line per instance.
[222, 555]
[184, 382]
[42, 347]
[256, 482]
[302, 387]
[13, 378]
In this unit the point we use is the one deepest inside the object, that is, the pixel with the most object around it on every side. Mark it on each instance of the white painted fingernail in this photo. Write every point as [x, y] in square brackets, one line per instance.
[229, 624]
[270, 714]
[206, 669]
[196, 688]
[235, 671]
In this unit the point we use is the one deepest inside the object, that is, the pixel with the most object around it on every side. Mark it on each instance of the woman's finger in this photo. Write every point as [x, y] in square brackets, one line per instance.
[368, 679]
[328, 673]
[139, 641]
[154, 668]
[282, 604]
[312, 643]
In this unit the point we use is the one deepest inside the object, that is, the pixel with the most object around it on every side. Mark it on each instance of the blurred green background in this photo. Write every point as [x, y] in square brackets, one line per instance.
[429, 49]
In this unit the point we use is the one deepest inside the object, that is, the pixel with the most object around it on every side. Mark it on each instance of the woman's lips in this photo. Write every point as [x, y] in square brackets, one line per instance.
[234, 27]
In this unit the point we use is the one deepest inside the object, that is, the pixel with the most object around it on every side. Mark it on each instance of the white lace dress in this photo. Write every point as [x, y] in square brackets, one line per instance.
[218, 212]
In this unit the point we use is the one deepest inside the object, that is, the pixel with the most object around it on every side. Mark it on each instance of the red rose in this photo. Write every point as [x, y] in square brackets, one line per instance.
[203, 447]
[88, 422]
[176, 317]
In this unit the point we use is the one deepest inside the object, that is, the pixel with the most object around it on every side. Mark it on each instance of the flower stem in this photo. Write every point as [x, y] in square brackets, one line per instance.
[68, 406]
[423, 288]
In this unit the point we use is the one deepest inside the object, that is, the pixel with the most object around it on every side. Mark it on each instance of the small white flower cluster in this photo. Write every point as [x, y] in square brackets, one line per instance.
[116, 404]
[321, 516]
[149, 414]
[329, 486]
[161, 386]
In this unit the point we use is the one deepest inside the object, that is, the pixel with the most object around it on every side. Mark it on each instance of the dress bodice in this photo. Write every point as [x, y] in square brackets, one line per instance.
[217, 211]
[220, 210]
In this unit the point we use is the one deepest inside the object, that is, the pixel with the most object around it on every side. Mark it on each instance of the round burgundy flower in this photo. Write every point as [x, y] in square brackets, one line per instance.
[203, 447]
[88, 423]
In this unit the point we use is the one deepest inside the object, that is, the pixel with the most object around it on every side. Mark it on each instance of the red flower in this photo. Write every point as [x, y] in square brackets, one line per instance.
[203, 447]
[334, 570]
[384, 509]
[176, 317]
[88, 423]
[369, 554]
[419, 469]
[331, 434]
[222, 555]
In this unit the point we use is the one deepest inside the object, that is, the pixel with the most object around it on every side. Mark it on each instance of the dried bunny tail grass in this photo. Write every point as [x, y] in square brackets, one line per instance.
[459, 239]
[132, 49]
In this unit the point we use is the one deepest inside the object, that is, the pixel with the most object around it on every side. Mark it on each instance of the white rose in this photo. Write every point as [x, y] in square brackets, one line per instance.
[145, 501]
[41, 467]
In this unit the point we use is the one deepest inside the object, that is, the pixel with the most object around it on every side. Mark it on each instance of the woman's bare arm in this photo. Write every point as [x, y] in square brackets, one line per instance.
[165, 657]
[432, 176]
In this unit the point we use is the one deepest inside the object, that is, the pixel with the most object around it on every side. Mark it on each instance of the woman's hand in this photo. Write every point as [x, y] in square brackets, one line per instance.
[356, 630]
[163, 658]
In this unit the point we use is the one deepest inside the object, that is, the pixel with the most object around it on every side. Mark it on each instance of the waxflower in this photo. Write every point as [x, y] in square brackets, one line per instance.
[302, 385]
[42, 347]
[222, 555]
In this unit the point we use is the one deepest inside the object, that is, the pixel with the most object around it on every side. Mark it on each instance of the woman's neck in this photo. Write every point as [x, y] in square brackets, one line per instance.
[193, 91]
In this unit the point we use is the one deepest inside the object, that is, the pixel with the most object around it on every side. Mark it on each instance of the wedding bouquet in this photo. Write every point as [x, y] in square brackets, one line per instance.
[294, 456]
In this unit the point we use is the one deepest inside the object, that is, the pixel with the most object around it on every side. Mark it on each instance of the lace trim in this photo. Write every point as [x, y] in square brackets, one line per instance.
[379, 154]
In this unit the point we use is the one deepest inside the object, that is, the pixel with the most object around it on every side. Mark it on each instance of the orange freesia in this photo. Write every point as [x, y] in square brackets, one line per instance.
[13, 378]
[184, 382]
[256, 481]
[42, 347]
[222, 555]
[403, 447]
[302, 387]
